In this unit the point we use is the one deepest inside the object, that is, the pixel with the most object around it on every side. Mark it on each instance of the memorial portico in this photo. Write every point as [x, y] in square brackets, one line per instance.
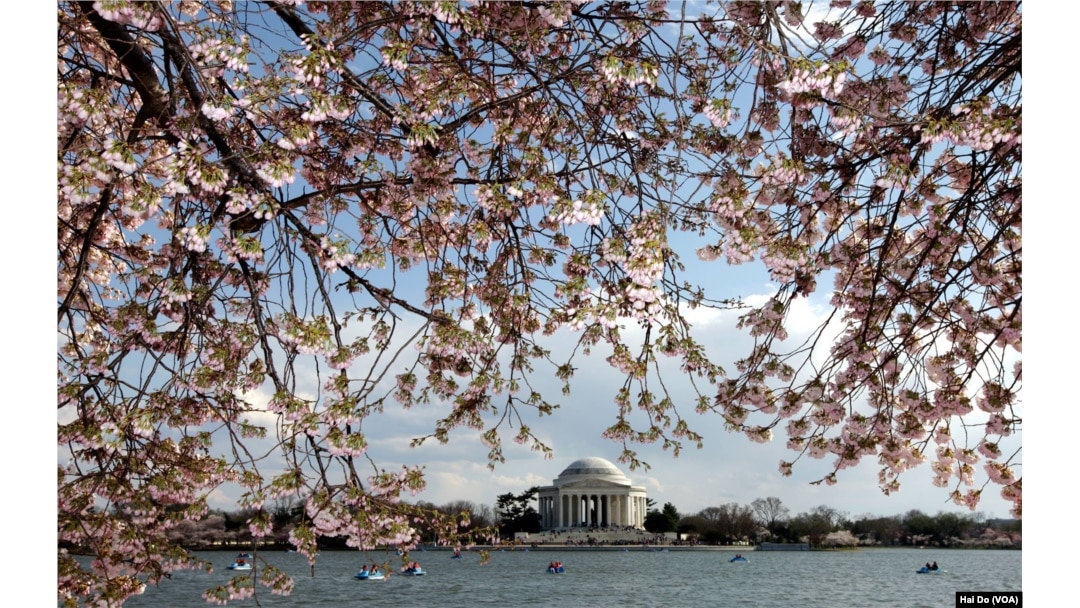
[591, 492]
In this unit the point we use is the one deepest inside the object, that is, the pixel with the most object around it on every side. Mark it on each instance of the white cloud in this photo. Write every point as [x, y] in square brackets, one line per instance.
[729, 468]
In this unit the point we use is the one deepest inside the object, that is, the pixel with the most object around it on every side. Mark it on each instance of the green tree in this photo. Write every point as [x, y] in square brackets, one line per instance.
[516, 513]
[919, 528]
[672, 514]
[944, 528]
[696, 526]
[658, 523]
[880, 530]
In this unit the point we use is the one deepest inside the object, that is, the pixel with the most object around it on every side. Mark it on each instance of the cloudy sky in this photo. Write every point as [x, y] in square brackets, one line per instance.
[729, 468]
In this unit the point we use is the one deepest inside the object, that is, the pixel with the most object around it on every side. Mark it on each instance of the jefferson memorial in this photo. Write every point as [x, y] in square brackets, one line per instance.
[591, 492]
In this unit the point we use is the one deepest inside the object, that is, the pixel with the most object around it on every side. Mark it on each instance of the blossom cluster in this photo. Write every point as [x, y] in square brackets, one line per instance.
[975, 126]
[219, 55]
[129, 13]
[336, 253]
[825, 79]
[228, 233]
[589, 211]
[719, 112]
[119, 157]
[193, 238]
[617, 71]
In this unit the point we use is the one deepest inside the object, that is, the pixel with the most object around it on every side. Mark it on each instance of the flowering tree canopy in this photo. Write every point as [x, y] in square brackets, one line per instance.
[277, 219]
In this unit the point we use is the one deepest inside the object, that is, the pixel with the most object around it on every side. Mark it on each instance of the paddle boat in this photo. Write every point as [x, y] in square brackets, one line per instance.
[556, 568]
[368, 575]
[413, 570]
[738, 559]
[929, 568]
[242, 562]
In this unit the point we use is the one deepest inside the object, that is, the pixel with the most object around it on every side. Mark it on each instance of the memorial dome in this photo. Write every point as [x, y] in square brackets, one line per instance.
[591, 468]
[591, 493]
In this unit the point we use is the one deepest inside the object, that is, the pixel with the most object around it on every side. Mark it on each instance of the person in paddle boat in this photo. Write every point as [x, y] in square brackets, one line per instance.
[364, 570]
[930, 567]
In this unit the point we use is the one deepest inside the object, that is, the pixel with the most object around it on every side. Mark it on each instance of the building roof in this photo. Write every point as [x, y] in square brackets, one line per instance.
[591, 468]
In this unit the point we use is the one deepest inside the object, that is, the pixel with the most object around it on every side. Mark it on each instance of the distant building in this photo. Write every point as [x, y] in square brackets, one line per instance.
[591, 492]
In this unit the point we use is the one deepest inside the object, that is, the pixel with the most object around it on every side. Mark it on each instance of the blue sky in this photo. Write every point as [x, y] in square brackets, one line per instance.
[729, 468]
[1050, 335]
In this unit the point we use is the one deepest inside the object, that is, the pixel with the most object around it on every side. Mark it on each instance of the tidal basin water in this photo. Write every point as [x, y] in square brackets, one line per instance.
[636, 577]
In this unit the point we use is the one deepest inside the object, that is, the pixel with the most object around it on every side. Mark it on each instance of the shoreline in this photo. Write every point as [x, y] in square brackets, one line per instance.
[595, 548]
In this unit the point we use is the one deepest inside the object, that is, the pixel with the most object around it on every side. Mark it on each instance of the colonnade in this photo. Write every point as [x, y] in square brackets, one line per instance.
[573, 510]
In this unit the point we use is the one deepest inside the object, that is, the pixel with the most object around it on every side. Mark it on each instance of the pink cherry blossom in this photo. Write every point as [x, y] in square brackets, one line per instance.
[280, 223]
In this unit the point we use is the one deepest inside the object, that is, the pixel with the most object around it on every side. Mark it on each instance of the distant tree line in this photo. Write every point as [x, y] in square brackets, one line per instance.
[768, 520]
[763, 520]
[232, 529]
